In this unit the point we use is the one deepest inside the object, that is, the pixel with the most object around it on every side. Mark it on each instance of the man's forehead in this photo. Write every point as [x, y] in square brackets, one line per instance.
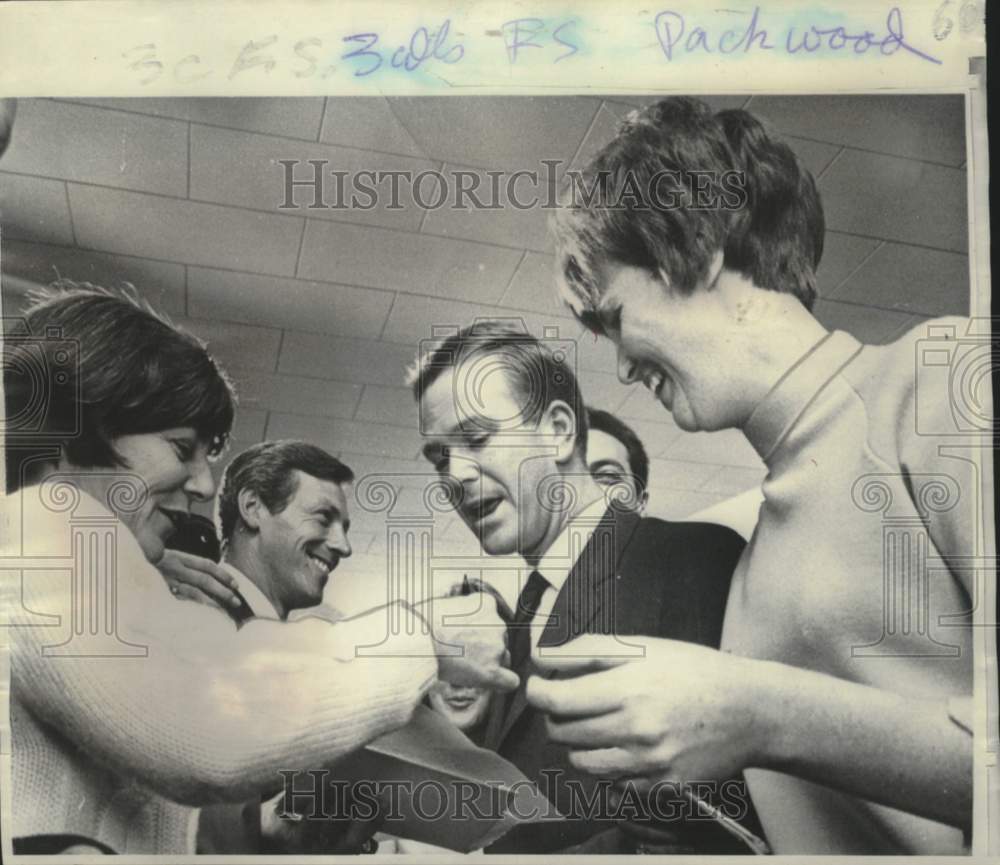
[314, 491]
[469, 397]
[602, 447]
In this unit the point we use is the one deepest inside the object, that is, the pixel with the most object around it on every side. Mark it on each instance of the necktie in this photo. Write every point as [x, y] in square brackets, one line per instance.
[519, 630]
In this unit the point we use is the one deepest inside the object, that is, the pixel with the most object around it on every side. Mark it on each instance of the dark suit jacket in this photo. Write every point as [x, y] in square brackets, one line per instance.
[635, 576]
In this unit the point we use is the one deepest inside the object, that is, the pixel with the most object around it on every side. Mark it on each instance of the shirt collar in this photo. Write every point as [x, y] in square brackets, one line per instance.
[556, 563]
[258, 602]
[775, 415]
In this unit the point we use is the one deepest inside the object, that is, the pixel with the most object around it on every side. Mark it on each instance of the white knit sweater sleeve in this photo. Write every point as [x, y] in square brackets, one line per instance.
[210, 712]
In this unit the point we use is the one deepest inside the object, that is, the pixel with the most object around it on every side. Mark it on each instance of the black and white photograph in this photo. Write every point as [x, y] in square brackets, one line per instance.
[600, 473]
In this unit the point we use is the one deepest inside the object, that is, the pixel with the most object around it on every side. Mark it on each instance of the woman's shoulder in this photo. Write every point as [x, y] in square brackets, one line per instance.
[40, 518]
[55, 527]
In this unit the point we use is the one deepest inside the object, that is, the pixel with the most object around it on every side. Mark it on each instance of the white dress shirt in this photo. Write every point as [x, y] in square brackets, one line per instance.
[257, 601]
[559, 560]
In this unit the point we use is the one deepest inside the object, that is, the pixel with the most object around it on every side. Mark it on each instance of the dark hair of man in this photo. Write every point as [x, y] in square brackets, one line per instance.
[269, 470]
[106, 365]
[769, 224]
[537, 373]
[638, 459]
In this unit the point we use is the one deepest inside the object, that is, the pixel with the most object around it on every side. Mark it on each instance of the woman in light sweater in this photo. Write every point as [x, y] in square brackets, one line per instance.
[126, 709]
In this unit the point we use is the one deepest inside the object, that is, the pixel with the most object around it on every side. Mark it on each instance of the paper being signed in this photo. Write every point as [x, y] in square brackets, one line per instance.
[443, 790]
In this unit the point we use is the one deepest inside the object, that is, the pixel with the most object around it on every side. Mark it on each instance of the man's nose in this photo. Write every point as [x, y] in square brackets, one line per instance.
[200, 484]
[463, 470]
[627, 368]
[336, 540]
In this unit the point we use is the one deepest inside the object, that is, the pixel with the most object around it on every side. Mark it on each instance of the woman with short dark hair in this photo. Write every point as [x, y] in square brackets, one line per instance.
[128, 710]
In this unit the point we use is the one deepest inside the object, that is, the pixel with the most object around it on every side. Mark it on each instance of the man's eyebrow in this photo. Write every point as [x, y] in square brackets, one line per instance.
[602, 464]
[456, 431]
[325, 505]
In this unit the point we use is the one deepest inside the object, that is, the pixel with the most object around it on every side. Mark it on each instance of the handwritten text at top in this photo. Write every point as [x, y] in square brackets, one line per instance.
[527, 40]
[679, 36]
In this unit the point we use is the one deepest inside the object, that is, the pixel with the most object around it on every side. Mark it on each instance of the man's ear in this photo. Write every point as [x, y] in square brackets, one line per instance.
[561, 420]
[251, 508]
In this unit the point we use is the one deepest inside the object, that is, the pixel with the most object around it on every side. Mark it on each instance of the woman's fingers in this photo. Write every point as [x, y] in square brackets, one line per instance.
[196, 578]
[189, 593]
[587, 654]
[607, 761]
[592, 694]
[591, 731]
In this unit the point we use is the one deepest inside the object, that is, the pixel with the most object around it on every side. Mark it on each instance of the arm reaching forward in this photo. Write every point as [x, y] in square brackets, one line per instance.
[685, 712]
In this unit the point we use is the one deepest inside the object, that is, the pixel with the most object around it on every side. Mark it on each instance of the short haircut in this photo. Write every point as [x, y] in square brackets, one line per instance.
[769, 227]
[105, 365]
[638, 459]
[781, 243]
[533, 368]
[269, 470]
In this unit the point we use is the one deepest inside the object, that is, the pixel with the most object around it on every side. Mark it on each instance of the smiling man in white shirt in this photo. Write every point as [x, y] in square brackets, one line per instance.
[283, 519]
[282, 515]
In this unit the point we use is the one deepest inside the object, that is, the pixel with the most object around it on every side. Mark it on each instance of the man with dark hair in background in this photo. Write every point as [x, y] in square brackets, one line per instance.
[504, 424]
[617, 459]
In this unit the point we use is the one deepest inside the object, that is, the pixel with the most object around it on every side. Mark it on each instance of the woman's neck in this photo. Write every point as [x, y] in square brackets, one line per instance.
[770, 331]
